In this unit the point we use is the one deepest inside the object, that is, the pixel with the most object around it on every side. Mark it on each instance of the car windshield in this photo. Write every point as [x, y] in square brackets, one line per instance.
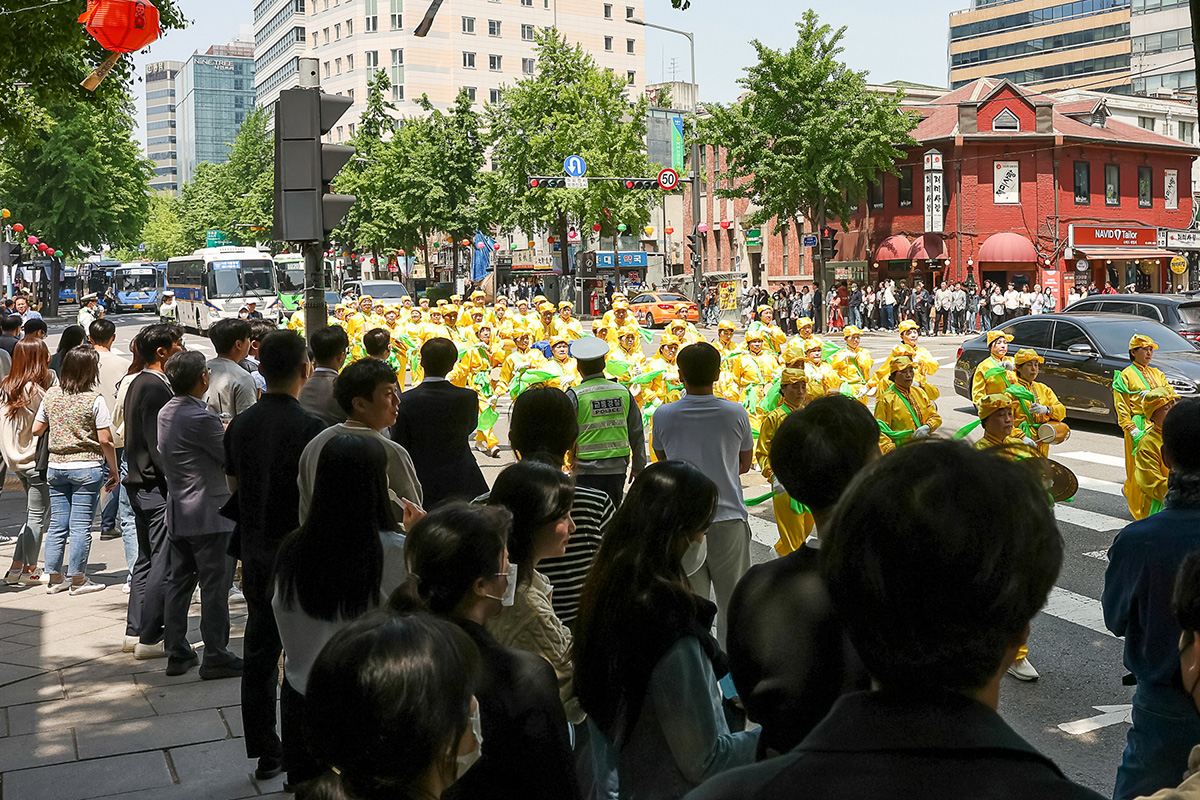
[1190, 315]
[291, 280]
[238, 278]
[1114, 335]
[138, 281]
[385, 289]
[672, 298]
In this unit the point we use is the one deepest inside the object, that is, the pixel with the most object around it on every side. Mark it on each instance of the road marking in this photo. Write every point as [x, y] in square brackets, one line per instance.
[1099, 555]
[1087, 519]
[1077, 609]
[944, 361]
[764, 531]
[1109, 715]
[1097, 485]
[1094, 458]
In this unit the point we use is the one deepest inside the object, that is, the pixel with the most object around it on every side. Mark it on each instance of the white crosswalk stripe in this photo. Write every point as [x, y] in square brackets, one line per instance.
[1076, 608]
[1097, 485]
[1099, 555]
[1068, 513]
[764, 531]
[1094, 458]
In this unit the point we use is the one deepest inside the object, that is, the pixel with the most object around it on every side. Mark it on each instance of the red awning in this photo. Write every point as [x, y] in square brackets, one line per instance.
[1127, 254]
[927, 246]
[893, 248]
[1007, 248]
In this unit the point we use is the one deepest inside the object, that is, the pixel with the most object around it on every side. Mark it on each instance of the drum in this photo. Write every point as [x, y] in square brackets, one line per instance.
[1053, 433]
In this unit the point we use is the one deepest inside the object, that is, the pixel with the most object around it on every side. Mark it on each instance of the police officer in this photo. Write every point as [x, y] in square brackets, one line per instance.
[610, 424]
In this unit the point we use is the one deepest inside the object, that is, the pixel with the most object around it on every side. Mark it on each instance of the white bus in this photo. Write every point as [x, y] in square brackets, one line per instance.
[214, 283]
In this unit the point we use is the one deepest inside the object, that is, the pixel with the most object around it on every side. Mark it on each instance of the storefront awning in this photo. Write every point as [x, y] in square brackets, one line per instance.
[722, 276]
[1126, 254]
[1007, 248]
[927, 246]
[893, 248]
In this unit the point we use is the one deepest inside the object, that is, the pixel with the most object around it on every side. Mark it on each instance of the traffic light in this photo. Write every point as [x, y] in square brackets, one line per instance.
[828, 245]
[640, 183]
[693, 243]
[305, 209]
[539, 182]
[10, 254]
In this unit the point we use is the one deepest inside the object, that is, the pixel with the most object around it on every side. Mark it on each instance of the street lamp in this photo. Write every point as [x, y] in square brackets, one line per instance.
[695, 145]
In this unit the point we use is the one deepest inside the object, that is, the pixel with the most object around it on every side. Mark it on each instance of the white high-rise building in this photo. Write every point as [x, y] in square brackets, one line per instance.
[477, 44]
[279, 41]
[162, 136]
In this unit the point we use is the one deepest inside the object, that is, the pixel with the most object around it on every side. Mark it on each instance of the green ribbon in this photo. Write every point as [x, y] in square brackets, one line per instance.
[796, 506]
[647, 334]
[487, 418]
[528, 378]
[962, 432]
[895, 436]
[773, 397]
[1155, 506]
[646, 377]
[617, 367]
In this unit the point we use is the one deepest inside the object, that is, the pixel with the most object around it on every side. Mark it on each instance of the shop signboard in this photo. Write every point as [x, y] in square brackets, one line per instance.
[934, 190]
[636, 258]
[1171, 189]
[1179, 265]
[1183, 240]
[1085, 236]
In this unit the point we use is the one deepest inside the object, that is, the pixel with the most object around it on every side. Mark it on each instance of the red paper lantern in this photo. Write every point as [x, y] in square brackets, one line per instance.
[668, 231]
[596, 227]
[121, 26]
[32, 240]
[550, 239]
[725, 223]
[18, 227]
[480, 245]
[400, 253]
[466, 242]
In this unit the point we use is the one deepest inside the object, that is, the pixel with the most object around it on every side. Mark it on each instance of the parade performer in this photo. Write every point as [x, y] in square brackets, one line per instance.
[666, 386]
[450, 314]
[904, 410]
[996, 417]
[1129, 387]
[296, 320]
[1045, 405]
[823, 379]
[566, 324]
[996, 371]
[522, 359]
[687, 333]
[804, 328]
[545, 328]
[362, 319]
[627, 361]
[1149, 471]
[854, 364]
[794, 526]
[753, 371]
[524, 316]
[423, 304]
[772, 335]
[923, 361]
[617, 317]
[561, 362]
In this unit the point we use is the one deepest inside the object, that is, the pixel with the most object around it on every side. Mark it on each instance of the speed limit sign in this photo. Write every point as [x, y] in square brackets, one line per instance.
[668, 179]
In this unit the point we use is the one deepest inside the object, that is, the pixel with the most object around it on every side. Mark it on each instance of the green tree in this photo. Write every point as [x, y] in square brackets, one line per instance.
[204, 204]
[569, 107]
[163, 232]
[808, 134]
[370, 222]
[84, 184]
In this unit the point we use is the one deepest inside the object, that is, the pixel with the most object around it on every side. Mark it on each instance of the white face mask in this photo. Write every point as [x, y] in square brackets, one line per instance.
[465, 761]
[510, 594]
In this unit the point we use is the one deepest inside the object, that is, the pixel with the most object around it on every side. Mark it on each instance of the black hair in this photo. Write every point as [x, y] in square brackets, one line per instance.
[544, 420]
[358, 510]
[11, 323]
[327, 344]
[259, 328]
[590, 366]
[376, 342]
[934, 593]
[102, 331]
[79, 369]
[536, 494]
[184, 370]
[699, 364]
[388, 698]
[153, 337]
[281, 356]
[1185, 600]
[636, 589]
[35, 325]
[72, 337]
[360, 379]
[438, 356]
[819, 448]
[1180, 433]
[226, 333]
[453, 546]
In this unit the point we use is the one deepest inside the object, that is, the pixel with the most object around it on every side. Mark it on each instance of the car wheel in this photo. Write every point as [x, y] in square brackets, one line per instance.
[650, 324]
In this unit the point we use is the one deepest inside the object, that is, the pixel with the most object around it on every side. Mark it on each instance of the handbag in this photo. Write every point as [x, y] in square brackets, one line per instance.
[41, 463]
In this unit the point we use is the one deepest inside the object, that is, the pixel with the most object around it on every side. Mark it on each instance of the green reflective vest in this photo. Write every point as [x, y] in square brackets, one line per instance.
[603, 414]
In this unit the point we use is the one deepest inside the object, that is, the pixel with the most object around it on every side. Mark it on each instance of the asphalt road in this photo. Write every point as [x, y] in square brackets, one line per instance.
[1079, 661]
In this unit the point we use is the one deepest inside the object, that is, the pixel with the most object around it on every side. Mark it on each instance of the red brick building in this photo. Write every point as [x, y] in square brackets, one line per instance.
[1017, 170]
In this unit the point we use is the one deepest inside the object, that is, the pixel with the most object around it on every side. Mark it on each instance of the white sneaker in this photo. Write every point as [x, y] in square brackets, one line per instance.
[87, 587]
[60, 586]
[235, 594]
[129, 644]
[144, 651]
[1023, 671]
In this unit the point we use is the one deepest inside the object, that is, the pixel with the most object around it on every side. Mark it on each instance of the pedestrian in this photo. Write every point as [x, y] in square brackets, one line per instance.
[460, 571]
[252, 312]
[21, 306]
[1037, 300]
[262, 463]
[113, 367]
[367, 391]
[646, 663]
[148, 392]
[308, 608]
[818, 309]
[168, 310]
[788, 684]
[1012, 302]
[959, 317]
[714, 435]
[887, 305]
[936, 626]
[329, 347]
[1142, 564]
[259, 328]
[77, 421]
[231, 390]
[89, 311]
[128, 527]
[10, 333]
[999, 306]
[190, 441]
[435, 424]
[368, 728]
[943, 303]
[21, 394]
[72, 337]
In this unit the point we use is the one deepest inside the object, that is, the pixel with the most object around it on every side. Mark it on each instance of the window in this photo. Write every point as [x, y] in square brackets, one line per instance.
[468, 61]
[493, 27]
[1067, 334]
[1147, 311]
[468, 24]
[630, 46]
[608, 10]
[1083, 183]
[608, 43]
[326, 69]
[1187, 132]
[398, 58]
[1145, 188]
[631, 77]
[1032, 333]
[527, 65]
[337, 66]
[527, 3]
[628, 12]
[784, 248]
[397, 92]
[906, 187]
[349, 27]
[326, 33]
[493, 96]
[372, 10]
[350, 63]
[875, 191]
[351, 128]
[470, 93]
[337, 32]
[397, 21]
[527, 33]
[495, 62]
[326, 8]
[1146, 123]
[1112, 185]
[314, 36]
[340, 136]
[1006, 120]
[372, 59]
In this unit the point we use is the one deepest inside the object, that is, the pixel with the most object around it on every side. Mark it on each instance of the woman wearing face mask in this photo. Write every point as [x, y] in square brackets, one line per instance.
[459, 569]
[391, 710]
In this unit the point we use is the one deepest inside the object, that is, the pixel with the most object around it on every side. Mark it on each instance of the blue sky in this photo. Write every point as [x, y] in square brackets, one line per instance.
[893, 41]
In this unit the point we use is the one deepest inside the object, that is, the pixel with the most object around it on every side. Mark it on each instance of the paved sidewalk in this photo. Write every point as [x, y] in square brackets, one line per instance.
[80, 719]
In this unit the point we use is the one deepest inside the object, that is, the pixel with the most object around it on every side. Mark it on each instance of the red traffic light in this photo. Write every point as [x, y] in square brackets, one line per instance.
[629, 184]
[533, 183]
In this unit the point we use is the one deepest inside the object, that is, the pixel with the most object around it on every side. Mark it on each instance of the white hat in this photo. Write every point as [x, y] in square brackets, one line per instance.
[589, 348]
[87, 298]
[168, 293]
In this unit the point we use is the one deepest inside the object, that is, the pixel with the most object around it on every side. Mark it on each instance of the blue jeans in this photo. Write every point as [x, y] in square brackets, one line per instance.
[37, 517]
[74, 494]
[1165, 729]
[125, 519]
[108, 511]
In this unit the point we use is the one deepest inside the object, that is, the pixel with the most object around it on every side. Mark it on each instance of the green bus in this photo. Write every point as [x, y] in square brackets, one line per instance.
[289, 270]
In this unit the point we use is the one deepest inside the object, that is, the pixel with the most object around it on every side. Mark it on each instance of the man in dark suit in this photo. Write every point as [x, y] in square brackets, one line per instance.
[190, 441]
[329, 347]
[435, 424]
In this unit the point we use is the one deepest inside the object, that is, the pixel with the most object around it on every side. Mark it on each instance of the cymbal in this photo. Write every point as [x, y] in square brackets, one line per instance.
[1059, 480]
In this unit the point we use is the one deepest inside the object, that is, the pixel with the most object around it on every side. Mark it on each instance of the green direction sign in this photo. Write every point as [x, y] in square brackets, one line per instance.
[677, 144]
[215, 238]
[754, 237]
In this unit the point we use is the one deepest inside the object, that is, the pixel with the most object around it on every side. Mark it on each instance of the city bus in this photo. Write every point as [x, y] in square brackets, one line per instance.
[289, 270]
[137, 287]
[214, 283]
[98, 276]
[66, 287]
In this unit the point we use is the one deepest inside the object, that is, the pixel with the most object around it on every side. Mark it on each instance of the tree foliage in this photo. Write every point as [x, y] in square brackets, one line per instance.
[370, 222]
[82, 184]
[808, 134]
[162, 234]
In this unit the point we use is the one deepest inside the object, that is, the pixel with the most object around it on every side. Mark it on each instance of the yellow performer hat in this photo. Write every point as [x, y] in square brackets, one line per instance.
[1140, 340]
[994, 335]
[793, 352]
[754, 336]
[761, 309]
[626, 330]
[812, 344]
[668, 339]
[478, 295]
[897, 362]
[544, 307]
[990, 403]
[726, 325]
[519, 329]
[804, 322]
[909, 325]
[683, 307]
[620, 302]
[850, 330]
[559, 338]
[1155, 399]
[449, 308]
[407, 301]
[1025, 355]
[792, 375]
[478, 326]
[501, 300]
[367, 298]
[563, 304]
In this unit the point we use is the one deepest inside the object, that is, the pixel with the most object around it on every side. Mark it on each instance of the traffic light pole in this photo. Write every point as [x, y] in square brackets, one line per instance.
[315, 313]
[697, 266]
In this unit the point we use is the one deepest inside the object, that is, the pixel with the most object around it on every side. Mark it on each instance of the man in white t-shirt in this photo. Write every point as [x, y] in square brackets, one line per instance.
[713, 435]
[1012, 301]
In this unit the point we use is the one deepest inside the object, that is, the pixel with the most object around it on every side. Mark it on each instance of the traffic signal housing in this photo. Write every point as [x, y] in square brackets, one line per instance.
[828, 245]
[10, 254]
[305, 208]
[693, 243]
[640, 183]
[546, 182]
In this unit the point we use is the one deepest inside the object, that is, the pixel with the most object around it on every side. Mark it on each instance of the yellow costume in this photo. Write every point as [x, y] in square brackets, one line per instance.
[854, 364]
[1026, 418]
[616, 318]
[687, 331]
[522, 358]
[666, 388]
[1128, 388]
[923, 361]
[772, 335]
[729, 349]
[793, 528]
[1149, 471]
[902, 410]
[823, 379]
[752, 375]
[989, 404]
[566, 325]
[980, 383]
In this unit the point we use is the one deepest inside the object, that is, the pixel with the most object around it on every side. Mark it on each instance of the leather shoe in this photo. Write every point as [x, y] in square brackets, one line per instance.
[230, 669]
[268, 768]
[180, 666]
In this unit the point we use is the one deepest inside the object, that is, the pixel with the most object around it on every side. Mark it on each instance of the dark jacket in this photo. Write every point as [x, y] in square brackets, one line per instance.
[526, 746]
[147, 395]
[889, 746]
[190, 444]
[434, 424]
[317, 397]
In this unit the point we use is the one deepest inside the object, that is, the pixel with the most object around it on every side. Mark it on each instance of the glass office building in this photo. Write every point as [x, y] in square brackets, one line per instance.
[215, 93]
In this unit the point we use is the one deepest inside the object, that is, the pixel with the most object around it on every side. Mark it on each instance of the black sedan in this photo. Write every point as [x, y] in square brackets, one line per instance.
[1083, 352]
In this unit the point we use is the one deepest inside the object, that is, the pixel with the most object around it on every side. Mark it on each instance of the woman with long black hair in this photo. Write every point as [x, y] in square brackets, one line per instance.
[646, 663]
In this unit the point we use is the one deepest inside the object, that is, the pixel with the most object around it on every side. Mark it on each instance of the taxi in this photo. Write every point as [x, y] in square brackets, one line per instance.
[653, 309]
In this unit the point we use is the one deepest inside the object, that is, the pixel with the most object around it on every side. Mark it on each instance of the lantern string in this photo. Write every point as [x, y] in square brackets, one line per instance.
[6, 12]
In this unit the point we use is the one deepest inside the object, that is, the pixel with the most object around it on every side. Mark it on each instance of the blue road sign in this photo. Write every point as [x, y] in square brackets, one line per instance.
[810, 240]
[574, 166]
